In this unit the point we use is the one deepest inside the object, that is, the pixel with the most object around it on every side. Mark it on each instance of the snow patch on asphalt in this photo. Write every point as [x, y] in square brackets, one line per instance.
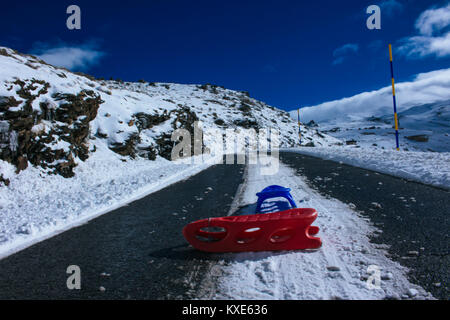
[37, 206]
[338, 270]
[426, 167]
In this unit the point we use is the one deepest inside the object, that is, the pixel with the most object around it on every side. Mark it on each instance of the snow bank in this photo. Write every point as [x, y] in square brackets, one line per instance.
[338, 270]
[426, 167]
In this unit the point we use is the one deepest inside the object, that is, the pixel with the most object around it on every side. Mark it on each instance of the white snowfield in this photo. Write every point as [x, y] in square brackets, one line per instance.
[431, 168]
[37, 206]
[340, 269]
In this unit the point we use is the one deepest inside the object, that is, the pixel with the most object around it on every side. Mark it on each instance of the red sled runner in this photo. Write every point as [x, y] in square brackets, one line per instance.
[284, 230]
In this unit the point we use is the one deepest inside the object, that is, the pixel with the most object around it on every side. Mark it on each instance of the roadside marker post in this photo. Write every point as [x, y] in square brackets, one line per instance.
[393, 97]
[299, 131]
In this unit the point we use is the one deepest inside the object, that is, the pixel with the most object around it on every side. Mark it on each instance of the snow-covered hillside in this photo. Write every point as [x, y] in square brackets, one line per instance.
[367, 119]
[53, 118]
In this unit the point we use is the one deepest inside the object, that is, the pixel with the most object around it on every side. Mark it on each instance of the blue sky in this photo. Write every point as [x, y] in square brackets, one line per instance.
[286, 53]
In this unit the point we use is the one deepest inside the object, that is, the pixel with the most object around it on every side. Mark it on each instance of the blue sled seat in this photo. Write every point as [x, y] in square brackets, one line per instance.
[274, 191]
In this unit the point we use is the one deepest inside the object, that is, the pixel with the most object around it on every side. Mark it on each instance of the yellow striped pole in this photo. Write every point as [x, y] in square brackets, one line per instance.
[299, 132]
[393, 97]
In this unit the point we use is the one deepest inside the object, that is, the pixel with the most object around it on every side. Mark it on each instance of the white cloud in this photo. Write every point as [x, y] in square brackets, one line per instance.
[433, 20]
[342, 52]
[346, 48]
[422, 46]
[71, 57]
[425, 88]
[433, 38]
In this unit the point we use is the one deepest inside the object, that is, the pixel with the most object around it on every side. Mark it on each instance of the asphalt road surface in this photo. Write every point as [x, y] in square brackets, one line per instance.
[413, 217]
[134, 252]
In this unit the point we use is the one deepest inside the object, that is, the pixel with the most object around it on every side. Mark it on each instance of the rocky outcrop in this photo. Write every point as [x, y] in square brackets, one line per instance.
[183, 118]
[148, 121]
[49, 136]
[127, 148]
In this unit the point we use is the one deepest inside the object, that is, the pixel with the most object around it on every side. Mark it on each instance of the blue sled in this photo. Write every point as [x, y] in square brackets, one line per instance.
[274, 191]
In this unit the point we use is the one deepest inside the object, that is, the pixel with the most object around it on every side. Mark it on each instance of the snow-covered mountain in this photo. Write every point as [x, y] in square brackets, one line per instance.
[367, 119]
[422, 128]
[53, 118]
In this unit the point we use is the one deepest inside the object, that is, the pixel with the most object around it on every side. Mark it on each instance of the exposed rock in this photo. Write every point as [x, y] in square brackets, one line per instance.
[147, 121]
[69, 123]
[219, 122]
[336, 129]
[4, 181]
[333, 268]
[128, 148]
[246, 124]
[387, 276]
[312, 123]
[182, 118]
[245, 108]
[22, 163]
[418, 138]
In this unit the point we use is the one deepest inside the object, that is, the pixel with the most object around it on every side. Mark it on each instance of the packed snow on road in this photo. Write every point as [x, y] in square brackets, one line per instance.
[347, 266]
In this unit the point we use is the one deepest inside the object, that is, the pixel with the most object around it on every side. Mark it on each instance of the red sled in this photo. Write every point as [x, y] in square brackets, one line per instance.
[284, 230]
